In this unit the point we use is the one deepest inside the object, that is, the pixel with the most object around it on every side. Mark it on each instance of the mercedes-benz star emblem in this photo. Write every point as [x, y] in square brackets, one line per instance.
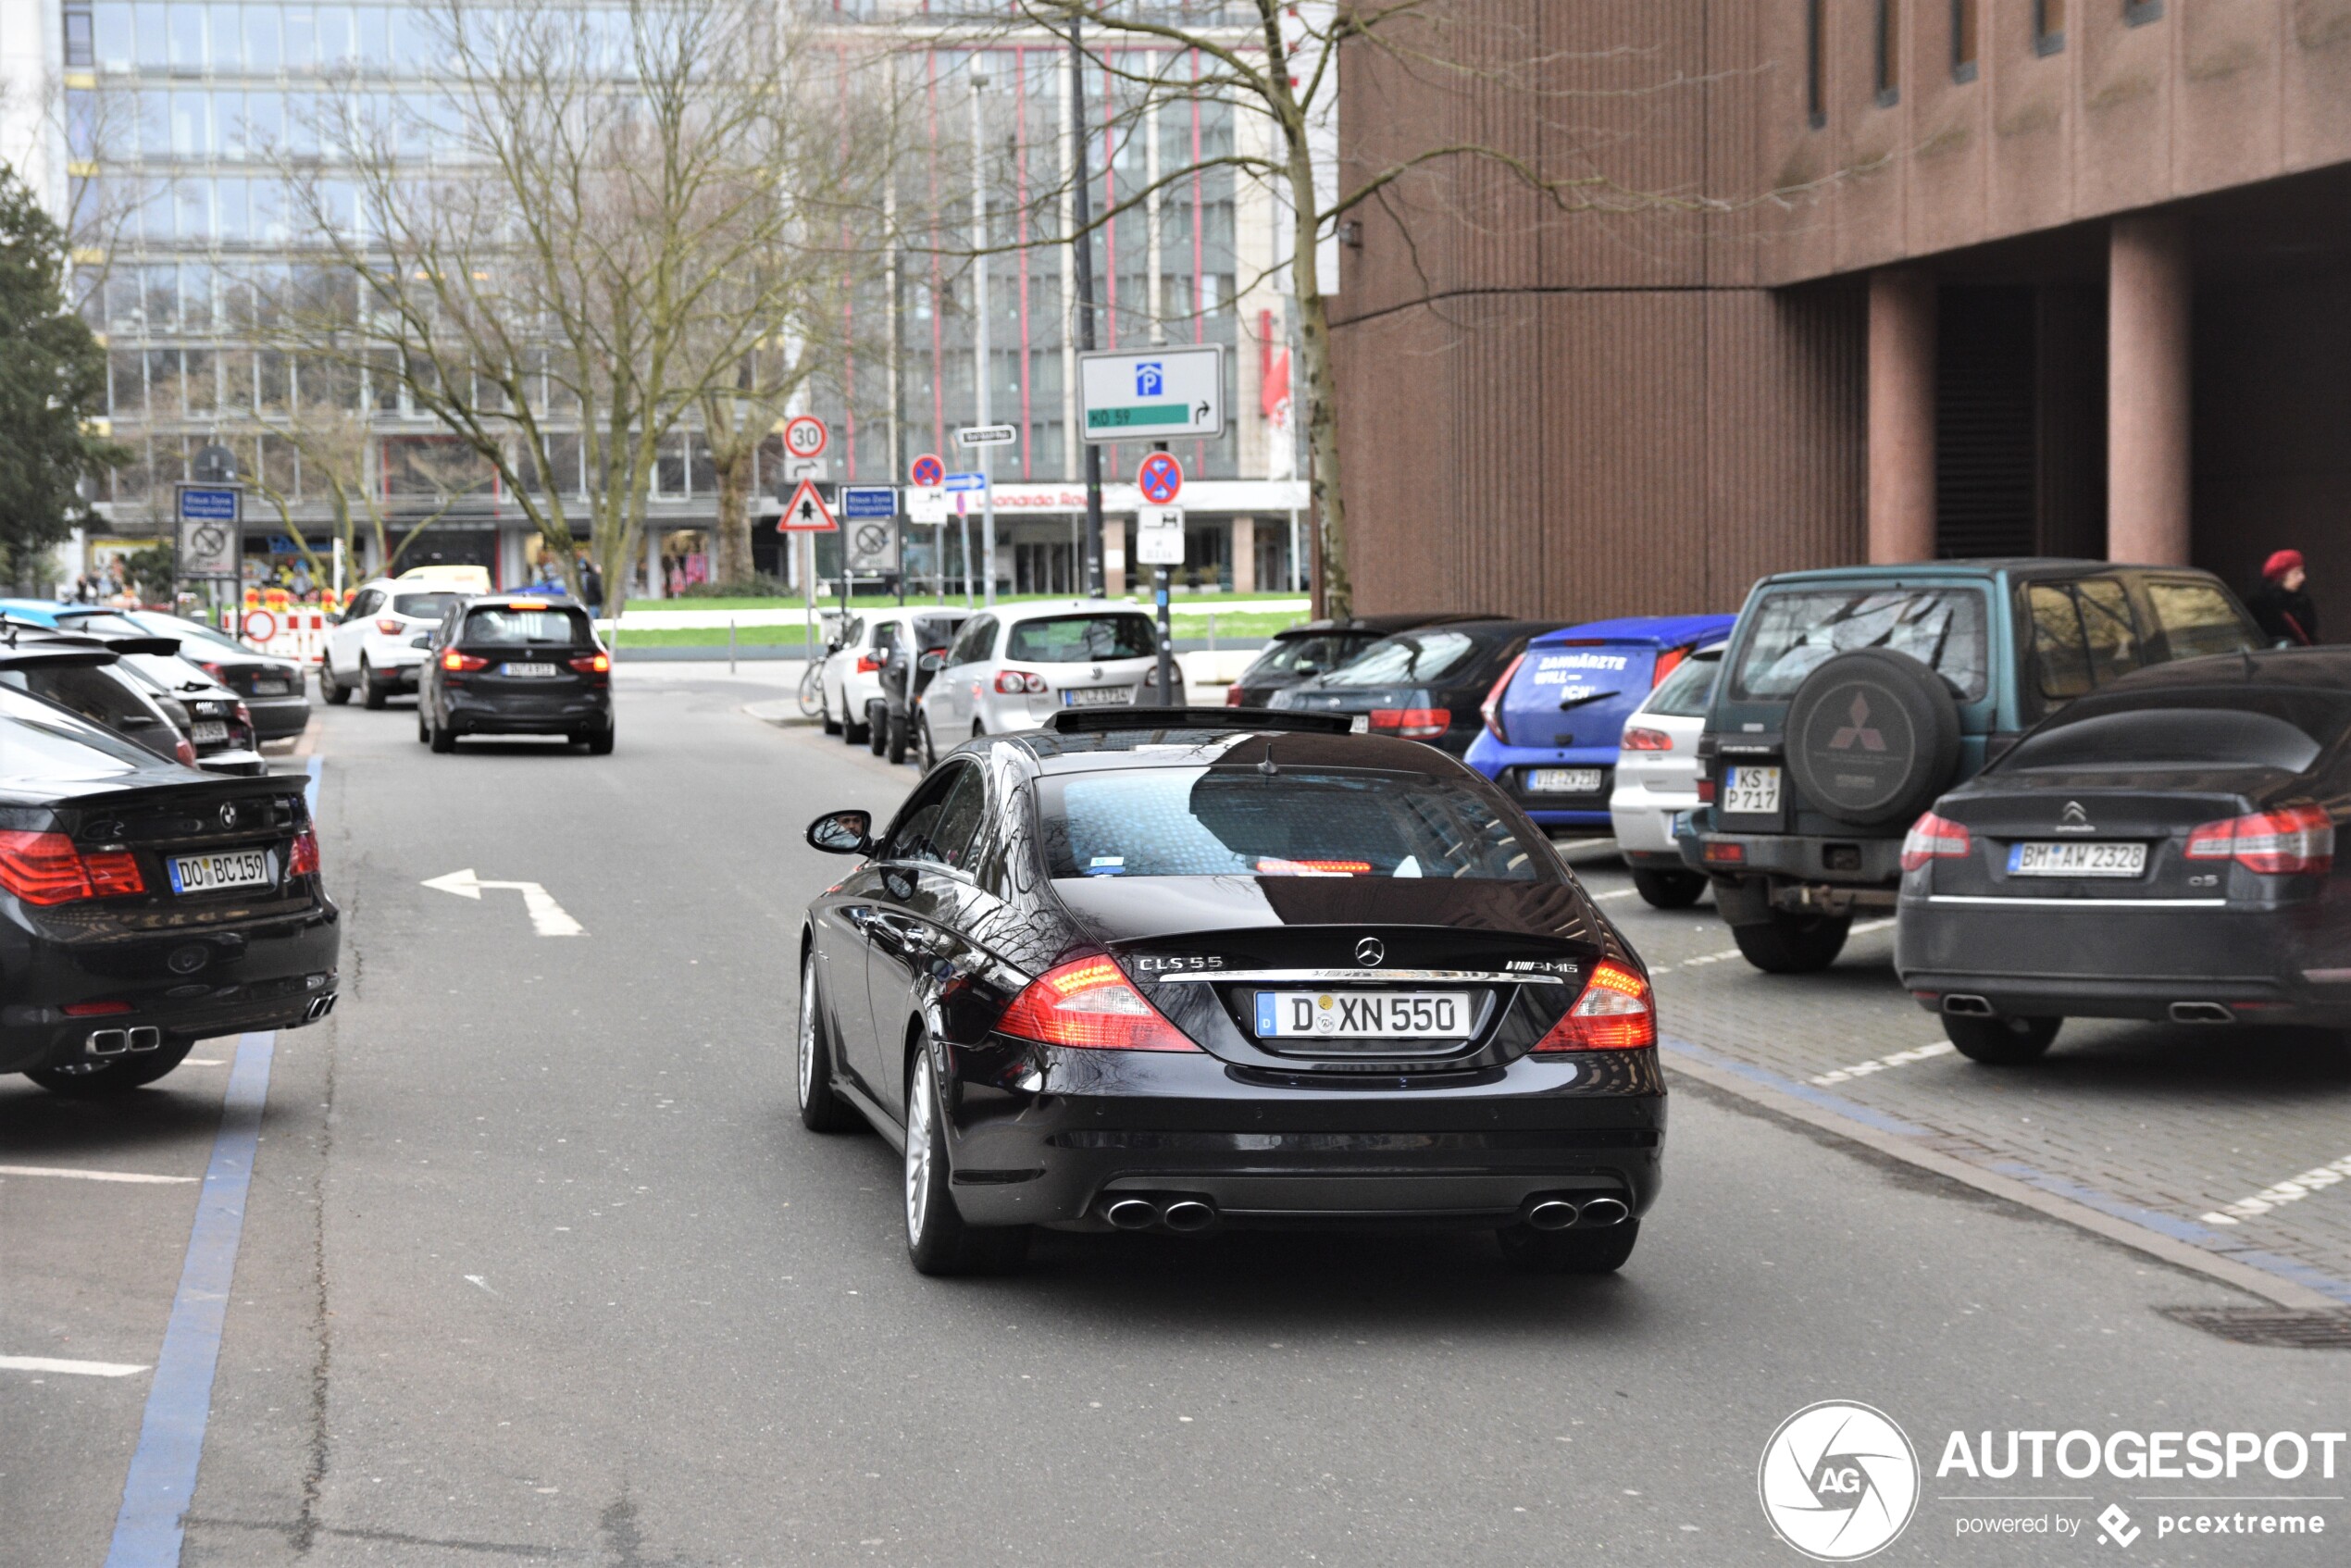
[1370, 951]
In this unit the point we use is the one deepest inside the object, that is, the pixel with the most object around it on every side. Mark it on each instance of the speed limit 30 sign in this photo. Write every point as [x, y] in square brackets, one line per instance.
[804, 435]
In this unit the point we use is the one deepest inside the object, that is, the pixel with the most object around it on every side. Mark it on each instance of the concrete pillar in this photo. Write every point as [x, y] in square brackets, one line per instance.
[1113, 557]
[1901, 435]
[2149, 282]
[1243, 554]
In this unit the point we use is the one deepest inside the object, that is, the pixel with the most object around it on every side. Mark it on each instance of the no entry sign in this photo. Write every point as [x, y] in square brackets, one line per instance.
[1160, 479]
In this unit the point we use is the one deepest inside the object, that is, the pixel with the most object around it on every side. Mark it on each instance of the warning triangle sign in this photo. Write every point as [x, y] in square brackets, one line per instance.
[806, 512]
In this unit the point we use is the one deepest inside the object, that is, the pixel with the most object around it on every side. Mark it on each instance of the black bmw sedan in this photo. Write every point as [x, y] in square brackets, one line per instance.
[2162, 849]
[144, 905]
[1181, 968]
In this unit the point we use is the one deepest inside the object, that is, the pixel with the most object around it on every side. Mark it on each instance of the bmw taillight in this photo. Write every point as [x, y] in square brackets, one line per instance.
[1616, 1013]
[1648, 740]
[593, 663]
[1013, 682]
[462, 663]
[304, 860]
[390, 627]
[1935, 838]
[1491, 709]
[1090, 1005]
[45, 868]
[183, 751]
[1412, 724]
[2293, 841]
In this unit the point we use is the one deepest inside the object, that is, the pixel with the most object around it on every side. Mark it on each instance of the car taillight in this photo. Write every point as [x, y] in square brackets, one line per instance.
[245, 715]
[390, 627]
[1491, 709]
[1616, 1013]
[868, 662]
[304, 860]
[93, 1009]
[45, 868]
[453, 660]
[2292, 841]
[183, 751]
[1090, 1005]
[1648, 740]
[593, 663]
[1706, 791]
[1013, 682]
[1412, 724]
[1235, 697]
[212, 670]
[1665, 664]
[1935, 838]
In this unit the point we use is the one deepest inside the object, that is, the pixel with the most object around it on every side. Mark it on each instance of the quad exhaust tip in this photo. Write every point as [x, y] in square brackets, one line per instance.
[319, 1007]
[1187, 1216]
[1132, 1213]
[2202, 1012]
[1552, 1213]
[1602, 1212]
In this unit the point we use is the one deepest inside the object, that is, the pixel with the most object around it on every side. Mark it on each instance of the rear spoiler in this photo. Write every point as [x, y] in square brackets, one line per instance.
[1100, 721]
[55, 655]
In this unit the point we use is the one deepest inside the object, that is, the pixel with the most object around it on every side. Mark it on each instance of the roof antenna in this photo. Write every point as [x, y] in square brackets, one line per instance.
[1267, 767]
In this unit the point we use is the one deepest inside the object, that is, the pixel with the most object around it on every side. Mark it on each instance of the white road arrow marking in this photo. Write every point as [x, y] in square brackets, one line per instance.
[547, 916]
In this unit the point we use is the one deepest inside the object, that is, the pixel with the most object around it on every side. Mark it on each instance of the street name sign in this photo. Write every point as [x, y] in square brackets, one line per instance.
[1153, 395]
[208, 535]
[1158, 535]
[858, 502]
[986, 435]
[806, 513]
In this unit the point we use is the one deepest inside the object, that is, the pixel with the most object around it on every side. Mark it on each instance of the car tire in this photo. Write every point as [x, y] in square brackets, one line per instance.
[825, 710]
[601, 743]
[895, 747]
[424, 732]
[1669, 889]
[1568, 1251]
[821, 1110]
[1793, 944]
[926, 748]
[2000, 1042]
[937, 1242]
[334, 691]
[876, 735]
[444, 739]
[117, 1074]
[372, 693]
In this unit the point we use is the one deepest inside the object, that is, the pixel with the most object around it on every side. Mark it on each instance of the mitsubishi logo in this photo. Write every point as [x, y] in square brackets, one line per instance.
[2073, 819]
[1860, 729]
[1370, 952]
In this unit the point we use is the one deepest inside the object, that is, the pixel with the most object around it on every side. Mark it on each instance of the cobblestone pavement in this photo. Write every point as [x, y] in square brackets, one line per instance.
[2236, 1140]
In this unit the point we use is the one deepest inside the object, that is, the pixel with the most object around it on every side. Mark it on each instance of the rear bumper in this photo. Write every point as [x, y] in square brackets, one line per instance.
[276, 718]
[1051, 1147]
[1859, 862]
[472, 712]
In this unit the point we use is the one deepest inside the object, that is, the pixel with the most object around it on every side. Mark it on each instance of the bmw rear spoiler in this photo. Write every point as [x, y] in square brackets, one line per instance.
[1099, 721]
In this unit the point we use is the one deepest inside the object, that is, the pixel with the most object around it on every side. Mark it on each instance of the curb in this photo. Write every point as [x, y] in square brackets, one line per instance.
[782, 712]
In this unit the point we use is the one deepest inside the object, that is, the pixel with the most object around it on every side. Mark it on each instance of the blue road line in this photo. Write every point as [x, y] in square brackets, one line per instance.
[162, 1482]
[2194, 1235]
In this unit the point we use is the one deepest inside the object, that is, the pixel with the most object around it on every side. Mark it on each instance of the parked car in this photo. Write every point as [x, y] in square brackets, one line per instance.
[1852, 697]
[145, 905]
[1552, 721]
[2164, 849]
[1302, 652]
[1423, 685]
[85, 677]
[849, 682]
[1656, 780]
[914, 661]
[1012, 667]
[372, 649]
[272, 688]
[509, 665]
[207, 716]
[1178, 969]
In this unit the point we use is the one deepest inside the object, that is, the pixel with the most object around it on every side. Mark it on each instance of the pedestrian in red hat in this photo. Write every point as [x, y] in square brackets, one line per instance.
[2284, 611]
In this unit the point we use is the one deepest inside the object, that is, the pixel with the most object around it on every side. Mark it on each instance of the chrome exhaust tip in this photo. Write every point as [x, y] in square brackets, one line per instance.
[319, 1007]
[1131, 1214]
[1968, 1006]
[1552, 1213]
[145, 1037]
[2201, 1012]
[1187, 1216]
[106, 1042]
[1602, 1211]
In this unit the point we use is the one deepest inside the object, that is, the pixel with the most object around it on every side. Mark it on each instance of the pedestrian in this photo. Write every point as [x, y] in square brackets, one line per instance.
[2283, 610]
[592, 588]
[301, 583]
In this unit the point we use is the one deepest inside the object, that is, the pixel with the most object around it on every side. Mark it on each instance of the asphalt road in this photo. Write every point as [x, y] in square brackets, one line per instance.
[539, 1265]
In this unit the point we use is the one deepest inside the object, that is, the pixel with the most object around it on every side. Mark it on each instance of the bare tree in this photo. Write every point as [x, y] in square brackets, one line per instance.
[344, 456]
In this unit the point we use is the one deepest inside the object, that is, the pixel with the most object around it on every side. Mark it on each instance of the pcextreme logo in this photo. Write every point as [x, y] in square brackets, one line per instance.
[1838, 1481]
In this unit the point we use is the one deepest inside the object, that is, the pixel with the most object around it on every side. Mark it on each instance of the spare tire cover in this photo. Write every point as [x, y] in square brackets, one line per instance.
[1872, 737]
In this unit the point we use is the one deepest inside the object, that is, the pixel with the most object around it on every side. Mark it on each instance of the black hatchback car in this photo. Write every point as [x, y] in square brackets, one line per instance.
[1423, 684]
[144, 905]
[2162, 849]
[1180, 968]
[1301, 652]
[500, 665]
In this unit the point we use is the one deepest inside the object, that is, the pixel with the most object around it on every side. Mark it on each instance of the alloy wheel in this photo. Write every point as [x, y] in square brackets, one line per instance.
[807, 1045]
[918, 1120]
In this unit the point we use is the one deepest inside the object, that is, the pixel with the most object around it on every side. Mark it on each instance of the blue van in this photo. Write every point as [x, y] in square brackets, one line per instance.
[1553, 719]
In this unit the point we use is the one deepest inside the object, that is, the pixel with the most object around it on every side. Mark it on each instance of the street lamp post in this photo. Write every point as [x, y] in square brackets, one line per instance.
[1085, 242]
[979, 351]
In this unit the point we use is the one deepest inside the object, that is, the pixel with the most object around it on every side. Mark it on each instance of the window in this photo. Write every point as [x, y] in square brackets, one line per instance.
[262, 53]
[1889, 54]
[1687, 692]
[1815, 99]
[2138, 13]
[1069, 639]
[515, 626]
[2196, 619]
[937, 825]
[2048, 26]
[112, 34]
[1963, 20]
[1797, 631]
[187, 38]
[972, 647]
[80, 50]
[2083, 635]
[1404, 659]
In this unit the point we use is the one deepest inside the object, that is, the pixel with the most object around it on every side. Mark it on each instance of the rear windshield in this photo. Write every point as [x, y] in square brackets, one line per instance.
[1309, 654]
[508, 626]
[1073, 639]
[2186, 729]
[424, 607]
[38, 742]
[936, 631]
[1237, 822]
[1688, 689]
[1797, 630]
[1405, 659]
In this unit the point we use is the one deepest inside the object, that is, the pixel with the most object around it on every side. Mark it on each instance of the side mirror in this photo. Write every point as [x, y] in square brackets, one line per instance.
[931, 663]
[842, 832]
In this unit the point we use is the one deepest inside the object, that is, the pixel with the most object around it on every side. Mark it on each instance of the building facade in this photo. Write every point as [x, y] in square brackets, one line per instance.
[1887, 280]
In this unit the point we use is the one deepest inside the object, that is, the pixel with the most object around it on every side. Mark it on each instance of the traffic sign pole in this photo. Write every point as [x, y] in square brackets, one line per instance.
[1160, 576]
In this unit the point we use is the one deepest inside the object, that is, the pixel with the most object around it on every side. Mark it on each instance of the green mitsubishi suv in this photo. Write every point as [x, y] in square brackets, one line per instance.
[1852, 697]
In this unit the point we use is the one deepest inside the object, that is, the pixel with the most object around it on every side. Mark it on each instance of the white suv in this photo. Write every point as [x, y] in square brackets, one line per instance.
[1012, 667]
[371, 649]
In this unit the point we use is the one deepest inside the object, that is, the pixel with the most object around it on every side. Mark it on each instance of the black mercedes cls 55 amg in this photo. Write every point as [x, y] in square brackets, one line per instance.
[1178, 969]
[2164, 848]
[144, 905]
